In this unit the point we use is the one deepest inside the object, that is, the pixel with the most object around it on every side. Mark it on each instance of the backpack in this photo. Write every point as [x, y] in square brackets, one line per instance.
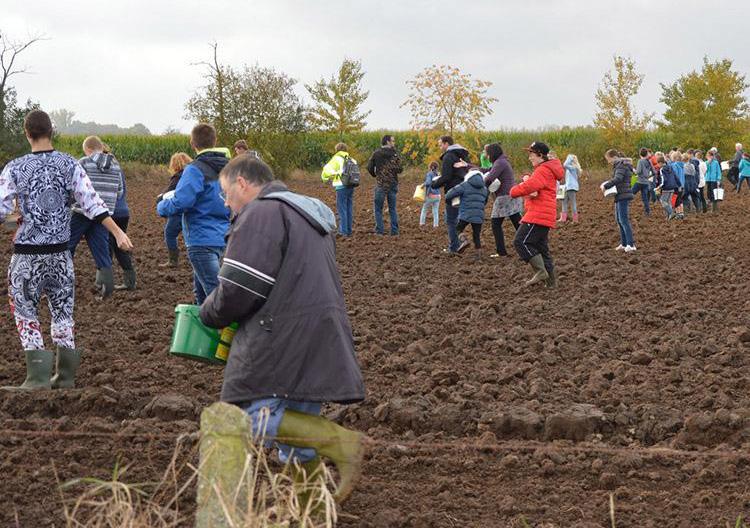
[350, 173]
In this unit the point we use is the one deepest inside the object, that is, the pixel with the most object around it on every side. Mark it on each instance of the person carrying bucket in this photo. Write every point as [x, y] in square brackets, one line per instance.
[293, 349]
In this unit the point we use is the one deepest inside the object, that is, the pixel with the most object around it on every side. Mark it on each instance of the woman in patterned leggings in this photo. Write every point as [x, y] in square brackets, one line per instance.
[44, 184]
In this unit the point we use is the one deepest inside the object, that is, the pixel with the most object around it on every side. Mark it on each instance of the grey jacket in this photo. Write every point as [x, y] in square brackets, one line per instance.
[644, 170]
[280, 282]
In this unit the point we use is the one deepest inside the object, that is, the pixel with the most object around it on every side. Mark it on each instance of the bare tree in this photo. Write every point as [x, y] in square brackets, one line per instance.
[9, 52]
[217, 80]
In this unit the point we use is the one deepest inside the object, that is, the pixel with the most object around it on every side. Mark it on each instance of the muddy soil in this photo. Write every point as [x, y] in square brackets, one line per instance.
[495, 403]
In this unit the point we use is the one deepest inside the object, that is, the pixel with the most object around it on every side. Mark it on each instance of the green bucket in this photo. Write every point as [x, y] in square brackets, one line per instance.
[191, 339]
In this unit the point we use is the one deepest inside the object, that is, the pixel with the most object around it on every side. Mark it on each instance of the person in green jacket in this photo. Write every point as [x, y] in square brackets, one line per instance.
[484, 159]
[344, 195]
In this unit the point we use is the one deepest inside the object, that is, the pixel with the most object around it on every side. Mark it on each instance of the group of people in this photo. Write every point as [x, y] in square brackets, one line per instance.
[271, 269]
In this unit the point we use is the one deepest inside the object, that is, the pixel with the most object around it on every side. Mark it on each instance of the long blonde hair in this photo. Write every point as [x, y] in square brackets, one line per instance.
[179, 161]
[575, 162]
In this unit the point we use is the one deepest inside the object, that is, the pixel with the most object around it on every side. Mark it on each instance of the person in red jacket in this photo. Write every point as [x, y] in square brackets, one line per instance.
[540, 190]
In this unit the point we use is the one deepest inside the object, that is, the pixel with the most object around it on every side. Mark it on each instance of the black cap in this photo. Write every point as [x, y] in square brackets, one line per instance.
[538, 148]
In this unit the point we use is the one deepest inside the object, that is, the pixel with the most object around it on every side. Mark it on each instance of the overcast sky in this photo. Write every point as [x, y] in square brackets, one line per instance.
[130, 61]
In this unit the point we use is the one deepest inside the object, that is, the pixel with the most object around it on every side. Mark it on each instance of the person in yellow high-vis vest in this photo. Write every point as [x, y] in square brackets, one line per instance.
[344, 195]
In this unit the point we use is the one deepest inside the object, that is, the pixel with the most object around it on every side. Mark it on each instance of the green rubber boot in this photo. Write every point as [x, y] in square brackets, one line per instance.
[67, 364]
[537, 263]
[105, 282]
[304, 477]
[551, 282]
[128, 280]
[39, 365]
[345, 448]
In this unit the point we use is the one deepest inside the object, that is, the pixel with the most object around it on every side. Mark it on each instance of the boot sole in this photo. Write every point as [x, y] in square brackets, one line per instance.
[537, 279]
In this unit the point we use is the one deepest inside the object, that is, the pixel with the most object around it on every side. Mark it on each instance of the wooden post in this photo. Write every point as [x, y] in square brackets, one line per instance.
[224, 447]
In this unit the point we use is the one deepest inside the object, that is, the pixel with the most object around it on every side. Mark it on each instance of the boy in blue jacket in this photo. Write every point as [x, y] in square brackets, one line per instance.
[205, 217]
[473, 195]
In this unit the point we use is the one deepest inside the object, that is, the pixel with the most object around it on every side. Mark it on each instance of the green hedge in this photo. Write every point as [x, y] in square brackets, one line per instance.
[310, 151]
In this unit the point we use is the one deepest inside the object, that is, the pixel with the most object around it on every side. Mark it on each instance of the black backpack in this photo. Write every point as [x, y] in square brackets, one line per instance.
[350, 173]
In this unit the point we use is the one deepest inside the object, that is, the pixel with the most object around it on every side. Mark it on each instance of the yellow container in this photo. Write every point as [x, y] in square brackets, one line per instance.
[225, 341]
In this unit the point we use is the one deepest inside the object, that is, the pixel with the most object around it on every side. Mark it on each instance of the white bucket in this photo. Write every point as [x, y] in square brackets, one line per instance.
[612, 191]
[718, 194]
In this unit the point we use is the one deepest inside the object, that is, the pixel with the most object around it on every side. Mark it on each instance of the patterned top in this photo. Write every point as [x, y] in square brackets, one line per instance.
[45, 185]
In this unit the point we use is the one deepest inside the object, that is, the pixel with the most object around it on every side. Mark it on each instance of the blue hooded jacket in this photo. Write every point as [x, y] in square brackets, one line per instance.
[205, 218]
[473, 195]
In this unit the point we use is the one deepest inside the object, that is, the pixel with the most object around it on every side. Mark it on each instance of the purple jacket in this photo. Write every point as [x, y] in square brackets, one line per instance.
[500, 170]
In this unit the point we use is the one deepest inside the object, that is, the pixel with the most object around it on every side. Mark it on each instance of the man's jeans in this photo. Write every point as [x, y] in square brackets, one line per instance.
[345, 209]
[172, 230]
[97, 237]
[644, 189]
[380, 196]
[206, 262]
[451, 220]
[269, 427]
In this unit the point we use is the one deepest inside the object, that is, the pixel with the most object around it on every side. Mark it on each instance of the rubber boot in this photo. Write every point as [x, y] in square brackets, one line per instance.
[563, 217]
[174, 258]
[478, 255]
[67, 364]
[575, 218]
[304, 477]
[551, 281]
[105, 282]
[464, 243]
[537, 264]
[343, 447]
[128, 280]
[39, 364]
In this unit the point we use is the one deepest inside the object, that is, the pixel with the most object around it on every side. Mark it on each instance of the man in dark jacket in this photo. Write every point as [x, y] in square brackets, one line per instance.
[385, 166]
[449, 178]
[294, 348]
[205, 218]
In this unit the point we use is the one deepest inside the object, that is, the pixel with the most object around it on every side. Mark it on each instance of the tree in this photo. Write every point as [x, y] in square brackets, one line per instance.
[239, 103]
[338, 100]
[616, 115]
[707, 108]
[441, 97]
[12, 142]
[62, 119]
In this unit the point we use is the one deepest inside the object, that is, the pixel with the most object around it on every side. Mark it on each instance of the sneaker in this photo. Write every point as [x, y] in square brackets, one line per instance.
[619, 248]
[630, 249]
[494, 255]
[464, 244]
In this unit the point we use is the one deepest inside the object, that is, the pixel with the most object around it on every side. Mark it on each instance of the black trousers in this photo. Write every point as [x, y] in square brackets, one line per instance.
[531, 240]
[123, 257]
[497, 231]
[476, 232]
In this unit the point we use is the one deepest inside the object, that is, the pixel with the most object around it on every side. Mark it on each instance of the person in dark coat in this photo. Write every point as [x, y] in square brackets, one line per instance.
[622, 171]
[293, 349]
[385, 166]
[473, 195]
[451, 176]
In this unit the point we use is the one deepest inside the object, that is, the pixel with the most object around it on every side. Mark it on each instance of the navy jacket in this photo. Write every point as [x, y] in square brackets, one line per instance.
[473, 195]
[669, 181]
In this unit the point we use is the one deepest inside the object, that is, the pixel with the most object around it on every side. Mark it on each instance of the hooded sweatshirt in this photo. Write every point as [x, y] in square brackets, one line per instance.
[622, 171]
[280, 282]
[571, 174]
[473, 193]
[106, 177]
[451, 176]
[205, 218]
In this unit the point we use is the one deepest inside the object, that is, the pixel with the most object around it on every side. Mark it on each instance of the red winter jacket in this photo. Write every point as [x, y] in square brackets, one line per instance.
[542, 208]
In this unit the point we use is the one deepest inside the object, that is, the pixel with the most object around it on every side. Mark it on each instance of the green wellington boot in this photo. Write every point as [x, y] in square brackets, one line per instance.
[105, 282]
[304, 477]
[174, 259]
[343, 447]
[128, 280]
[39, 364]
[537, 263]
[551, 282]
[67, 364]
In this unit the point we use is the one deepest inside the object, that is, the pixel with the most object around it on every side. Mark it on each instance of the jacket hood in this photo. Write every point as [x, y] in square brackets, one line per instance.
[317, 214]
[458, 150]
[214, 159]
[103, 161]
[623, 161]
[456, 147]
[556, 167]
[475, 179]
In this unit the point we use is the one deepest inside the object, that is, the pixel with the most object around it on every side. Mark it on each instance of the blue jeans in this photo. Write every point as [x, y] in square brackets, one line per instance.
[172, 230]
[434, 204]
[97, 237]
[380, 197]
[345, 209]
[270, 428]
[451, 220]
[622, 214]
[739, 182]
[644, 189]
[206, 262]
